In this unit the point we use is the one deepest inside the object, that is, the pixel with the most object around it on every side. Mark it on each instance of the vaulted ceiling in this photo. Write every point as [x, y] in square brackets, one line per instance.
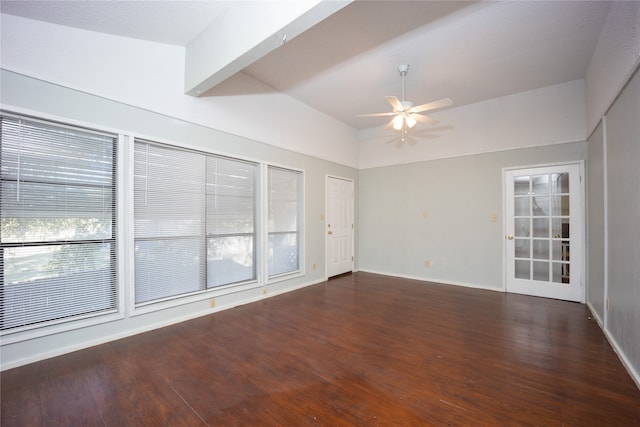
[346, 64]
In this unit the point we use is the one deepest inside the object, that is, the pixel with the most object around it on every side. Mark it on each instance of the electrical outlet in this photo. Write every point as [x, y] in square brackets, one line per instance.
[264, 291]
[425, 214]
[428, 263]
[313, 266]
[212, 302]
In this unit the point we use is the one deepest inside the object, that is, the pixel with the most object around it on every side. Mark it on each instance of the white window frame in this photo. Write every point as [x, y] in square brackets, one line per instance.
[78, 322]
[124, 236]
[301, 226]
[207, 293]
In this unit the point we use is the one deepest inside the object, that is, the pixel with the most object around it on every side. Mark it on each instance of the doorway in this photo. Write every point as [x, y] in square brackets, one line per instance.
[340, 226]
[544, 224]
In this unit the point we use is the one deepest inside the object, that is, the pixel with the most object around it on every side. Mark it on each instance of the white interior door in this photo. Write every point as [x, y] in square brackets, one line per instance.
[339, 226]
[544, 215]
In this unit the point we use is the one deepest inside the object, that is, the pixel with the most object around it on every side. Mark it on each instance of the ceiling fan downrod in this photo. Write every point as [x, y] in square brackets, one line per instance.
[403, 69]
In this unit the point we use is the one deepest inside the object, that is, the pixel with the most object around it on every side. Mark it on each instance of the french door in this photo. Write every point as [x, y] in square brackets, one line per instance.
[544, 215]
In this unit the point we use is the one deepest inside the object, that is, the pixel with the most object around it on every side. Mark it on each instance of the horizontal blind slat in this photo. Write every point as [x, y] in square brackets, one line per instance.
[58, 185]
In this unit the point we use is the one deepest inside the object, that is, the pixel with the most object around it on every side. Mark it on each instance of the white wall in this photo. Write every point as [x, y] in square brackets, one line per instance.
[616, 55]
[459, 195]
[596, 224]
[151, 76]
[622, 205]
[28, 95]
[613, 196]
[549, 115]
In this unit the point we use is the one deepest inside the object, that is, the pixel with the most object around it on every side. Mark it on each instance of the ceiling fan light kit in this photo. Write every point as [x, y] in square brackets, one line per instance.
[406, 115]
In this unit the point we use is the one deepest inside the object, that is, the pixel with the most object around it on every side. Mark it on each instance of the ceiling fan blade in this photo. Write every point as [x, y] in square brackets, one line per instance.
[445, 102]
[376, 114]
[395, 103]
[390, 124]
[424, 119]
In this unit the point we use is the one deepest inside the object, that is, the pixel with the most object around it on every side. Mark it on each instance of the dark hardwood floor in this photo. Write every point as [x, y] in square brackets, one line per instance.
[361, 350]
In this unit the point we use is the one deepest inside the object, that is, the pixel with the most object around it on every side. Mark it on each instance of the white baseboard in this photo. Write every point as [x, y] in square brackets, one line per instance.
[635, 376]
[427, 279]
[595, 315]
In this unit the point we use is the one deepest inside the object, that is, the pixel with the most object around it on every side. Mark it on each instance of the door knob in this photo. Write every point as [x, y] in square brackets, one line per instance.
[510, 237]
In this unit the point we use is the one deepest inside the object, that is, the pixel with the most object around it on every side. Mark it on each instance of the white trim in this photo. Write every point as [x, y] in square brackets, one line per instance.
[182, 299]
[544, 165]
[86, 344]
[635, 375]
[128, 201]
[505, 226]
[82, 321]
[62, 120]
[433, 280]
[122, 228]
[605, 219]
[455, 156]
[594, 313]
[66, 325]
[301, 271]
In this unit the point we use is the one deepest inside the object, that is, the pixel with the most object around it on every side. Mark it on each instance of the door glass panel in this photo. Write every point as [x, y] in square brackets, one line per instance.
[522, 269]
[540, 205]
[522, 227]
[560, 183]
[540, 227]
[560, 273]
[540, 249]
[521, 206]
[558, 229]
[521, 185]
[540, 184]
[522, 248]
[556, 250]
[541, 271]
[561, 205]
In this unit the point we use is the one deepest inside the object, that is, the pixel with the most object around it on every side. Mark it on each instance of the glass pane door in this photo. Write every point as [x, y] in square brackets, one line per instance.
[541, 229]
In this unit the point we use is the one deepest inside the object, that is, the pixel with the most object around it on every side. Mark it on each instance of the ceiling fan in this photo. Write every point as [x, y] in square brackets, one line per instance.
[406, 115]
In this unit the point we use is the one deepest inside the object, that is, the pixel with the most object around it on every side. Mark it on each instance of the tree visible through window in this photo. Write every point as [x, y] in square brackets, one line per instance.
[57, 223]
[195, 219]
[285, 211]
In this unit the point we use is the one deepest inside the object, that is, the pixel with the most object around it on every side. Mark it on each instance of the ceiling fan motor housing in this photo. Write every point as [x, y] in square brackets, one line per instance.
[406, 105]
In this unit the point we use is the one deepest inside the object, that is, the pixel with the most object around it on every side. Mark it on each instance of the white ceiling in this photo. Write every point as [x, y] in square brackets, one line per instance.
[345, 65]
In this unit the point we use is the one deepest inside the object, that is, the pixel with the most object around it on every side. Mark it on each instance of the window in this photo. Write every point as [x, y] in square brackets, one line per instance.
[194, 222]
[285, 212]
[58, 223]
[231, 212]
[169, 220]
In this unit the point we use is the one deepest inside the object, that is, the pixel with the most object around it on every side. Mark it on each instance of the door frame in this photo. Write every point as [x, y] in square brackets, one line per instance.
[326, 216]
[581, 195]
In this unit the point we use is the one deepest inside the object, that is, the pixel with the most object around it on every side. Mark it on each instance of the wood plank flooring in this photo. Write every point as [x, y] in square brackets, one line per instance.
[359, 350]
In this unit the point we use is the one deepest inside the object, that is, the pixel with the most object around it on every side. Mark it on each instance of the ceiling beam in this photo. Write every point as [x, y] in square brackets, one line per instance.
[245, 33]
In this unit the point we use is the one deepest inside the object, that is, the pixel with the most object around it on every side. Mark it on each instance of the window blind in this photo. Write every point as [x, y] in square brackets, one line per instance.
[169, 221]
[285, 211]
[231, 207]
[57, 223]
[194, 221]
